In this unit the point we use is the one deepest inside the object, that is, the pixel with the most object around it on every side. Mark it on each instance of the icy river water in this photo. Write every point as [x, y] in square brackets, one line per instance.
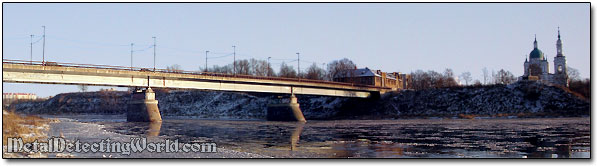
[409, 138]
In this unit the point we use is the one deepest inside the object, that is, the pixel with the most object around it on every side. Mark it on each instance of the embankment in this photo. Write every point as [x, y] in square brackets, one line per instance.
[523, 99]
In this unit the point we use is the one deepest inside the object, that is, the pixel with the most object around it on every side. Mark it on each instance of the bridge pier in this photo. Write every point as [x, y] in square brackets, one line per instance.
[143, 107]
[285, 111]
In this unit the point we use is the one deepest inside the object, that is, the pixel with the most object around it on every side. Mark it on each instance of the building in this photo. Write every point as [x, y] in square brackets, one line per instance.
[19, 96]
[8, 98]
[366, 76]
[536, 66]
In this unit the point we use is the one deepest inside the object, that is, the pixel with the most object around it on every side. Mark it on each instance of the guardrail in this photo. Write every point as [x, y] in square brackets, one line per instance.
[49, 63]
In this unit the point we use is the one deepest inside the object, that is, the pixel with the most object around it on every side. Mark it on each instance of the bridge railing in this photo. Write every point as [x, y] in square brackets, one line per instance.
[78, 65]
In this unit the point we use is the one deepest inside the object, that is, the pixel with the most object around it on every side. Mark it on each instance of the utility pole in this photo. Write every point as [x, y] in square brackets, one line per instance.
[132, 56]
[43, 51]
[153, 53]
[299, 64]
[234, 63]
[31, 51]
[206, 60]
[268, 66]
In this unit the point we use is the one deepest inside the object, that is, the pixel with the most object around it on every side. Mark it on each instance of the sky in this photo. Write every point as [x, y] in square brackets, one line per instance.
[392, 37]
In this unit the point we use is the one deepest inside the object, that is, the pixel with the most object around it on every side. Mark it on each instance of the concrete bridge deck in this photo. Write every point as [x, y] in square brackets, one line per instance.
[85, 74]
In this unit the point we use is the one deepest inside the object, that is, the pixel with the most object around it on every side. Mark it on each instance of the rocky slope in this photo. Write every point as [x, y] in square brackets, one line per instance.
[518, 99]
[196, 103]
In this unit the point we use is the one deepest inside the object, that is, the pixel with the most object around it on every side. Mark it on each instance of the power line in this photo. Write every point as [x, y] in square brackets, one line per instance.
[282, 59]
[145, 49]
[37, 40]
[224, 54]
[219, 56]
[90, 42]
[221, 53]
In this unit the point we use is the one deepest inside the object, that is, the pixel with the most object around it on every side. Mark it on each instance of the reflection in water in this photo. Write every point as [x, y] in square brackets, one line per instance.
[296, 134]
[513, 138]
[153, 128]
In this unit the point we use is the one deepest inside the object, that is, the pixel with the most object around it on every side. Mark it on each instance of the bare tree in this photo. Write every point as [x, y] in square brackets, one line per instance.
[493, 76]
[222, 69]
[504, 77]
[466, 77]
[259, 67]
[175, 68]
[287, 71]
[83, 88]
[431, 79]
[270, 71]
[582, 87]
[436, 79]
[477, 83]
[420, 80]
[340, 68]
[448, 78]
[485, 75]
[573, 74]
[314, 72]
[243, 67]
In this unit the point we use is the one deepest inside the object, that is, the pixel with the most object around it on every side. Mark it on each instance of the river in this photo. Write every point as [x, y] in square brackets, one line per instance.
[404, 138]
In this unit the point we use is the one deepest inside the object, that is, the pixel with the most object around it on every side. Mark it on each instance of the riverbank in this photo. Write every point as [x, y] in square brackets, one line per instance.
[27, 127]
[73, 130]
[522, 99]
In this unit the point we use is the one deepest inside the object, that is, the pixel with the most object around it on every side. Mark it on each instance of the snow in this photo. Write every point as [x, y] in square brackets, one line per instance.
[519, 98]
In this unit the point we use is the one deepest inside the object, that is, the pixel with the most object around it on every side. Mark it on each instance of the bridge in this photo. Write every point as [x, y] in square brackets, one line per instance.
[18, 71]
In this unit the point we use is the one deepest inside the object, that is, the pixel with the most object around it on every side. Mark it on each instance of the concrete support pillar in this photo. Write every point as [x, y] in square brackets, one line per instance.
[286, 111]
[143, 107]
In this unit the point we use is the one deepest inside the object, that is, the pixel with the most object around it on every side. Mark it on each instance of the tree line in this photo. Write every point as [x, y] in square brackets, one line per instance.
[419, 79]
[257, 67]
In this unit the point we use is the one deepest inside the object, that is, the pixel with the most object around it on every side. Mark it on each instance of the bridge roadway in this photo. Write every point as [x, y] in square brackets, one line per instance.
[84, 74]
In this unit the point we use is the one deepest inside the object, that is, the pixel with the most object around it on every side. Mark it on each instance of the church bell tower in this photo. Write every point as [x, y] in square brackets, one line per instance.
[561, 75]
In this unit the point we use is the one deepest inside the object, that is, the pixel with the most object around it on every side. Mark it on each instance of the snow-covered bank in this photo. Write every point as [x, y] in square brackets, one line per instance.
[195, 103]
[518, 99]
[526, 99]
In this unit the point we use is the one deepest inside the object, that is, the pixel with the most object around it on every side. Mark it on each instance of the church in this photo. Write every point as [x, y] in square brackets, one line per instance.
[536, 66]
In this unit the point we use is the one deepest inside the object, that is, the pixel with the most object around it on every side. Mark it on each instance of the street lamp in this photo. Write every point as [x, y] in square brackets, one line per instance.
[153, 53]
[43, 51]
[234, 60]
[31, 51]
[206, 60]
[132, 56]
[268, 66]
[299, 64]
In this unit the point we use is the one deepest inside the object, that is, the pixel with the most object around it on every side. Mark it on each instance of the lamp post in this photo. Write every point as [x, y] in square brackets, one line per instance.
[299, 64]
[234, 60]
[132, 56]
[31, 51]
[268, 66]
[154, 53]
[206, 60]
[43, 51]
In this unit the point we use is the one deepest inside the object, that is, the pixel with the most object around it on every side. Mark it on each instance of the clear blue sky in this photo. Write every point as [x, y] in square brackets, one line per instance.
[391, 37]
